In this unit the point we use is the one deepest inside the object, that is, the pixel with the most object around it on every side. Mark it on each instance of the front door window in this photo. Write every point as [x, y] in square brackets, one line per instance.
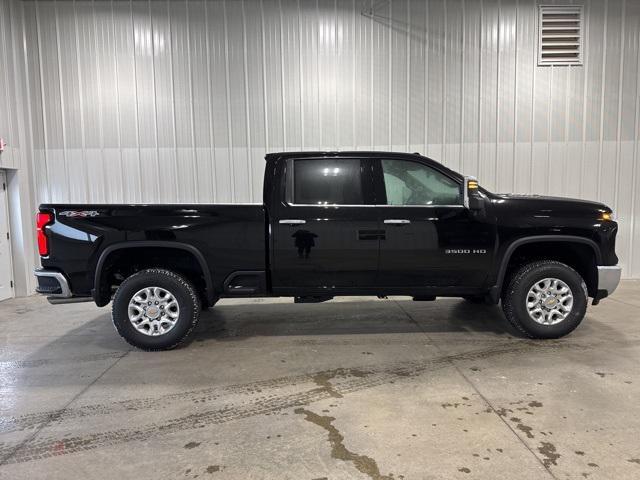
[412, 183]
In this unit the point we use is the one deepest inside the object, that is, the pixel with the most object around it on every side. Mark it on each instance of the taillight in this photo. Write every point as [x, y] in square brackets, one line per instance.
[42, 220]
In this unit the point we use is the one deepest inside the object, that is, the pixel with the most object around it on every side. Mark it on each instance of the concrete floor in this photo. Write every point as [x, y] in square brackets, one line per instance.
[350, 389]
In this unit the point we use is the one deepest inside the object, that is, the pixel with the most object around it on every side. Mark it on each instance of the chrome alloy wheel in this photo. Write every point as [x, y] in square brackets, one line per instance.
[549, 301]
[153, 311]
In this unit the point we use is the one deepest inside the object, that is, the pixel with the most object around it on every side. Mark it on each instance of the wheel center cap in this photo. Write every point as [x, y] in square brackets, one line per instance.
[153, 312]
[550, 302]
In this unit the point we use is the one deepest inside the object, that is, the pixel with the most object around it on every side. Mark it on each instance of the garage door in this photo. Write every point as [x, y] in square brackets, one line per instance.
[6, 273]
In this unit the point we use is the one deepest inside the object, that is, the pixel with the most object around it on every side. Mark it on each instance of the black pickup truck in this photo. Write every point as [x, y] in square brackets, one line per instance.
[330, 224]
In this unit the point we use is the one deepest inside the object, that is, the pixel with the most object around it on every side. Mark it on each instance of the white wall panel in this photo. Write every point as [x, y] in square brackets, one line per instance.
[178, 100]
[14, 120]
[9, 121]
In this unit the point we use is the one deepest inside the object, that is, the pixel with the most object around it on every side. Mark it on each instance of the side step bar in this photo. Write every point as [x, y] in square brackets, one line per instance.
[313, 299]
[60, 300]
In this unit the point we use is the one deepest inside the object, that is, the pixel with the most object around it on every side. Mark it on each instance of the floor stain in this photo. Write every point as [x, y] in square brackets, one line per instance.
[323, 380]
[363, 464]
[503, 412]
[548, 450]
[526, 429]
[191, 445]
[213, 468]
[464, 470]
[520, 426]
[634, 460]
[579, 452]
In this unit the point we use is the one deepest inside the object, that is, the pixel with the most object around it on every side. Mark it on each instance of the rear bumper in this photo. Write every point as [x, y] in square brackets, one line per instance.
[52, 283]
[56, 287]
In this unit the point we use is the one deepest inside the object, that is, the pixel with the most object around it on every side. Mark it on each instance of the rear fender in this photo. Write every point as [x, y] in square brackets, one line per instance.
[102, 298]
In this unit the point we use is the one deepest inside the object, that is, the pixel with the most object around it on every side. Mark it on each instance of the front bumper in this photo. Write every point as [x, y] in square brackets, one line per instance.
[608, 280]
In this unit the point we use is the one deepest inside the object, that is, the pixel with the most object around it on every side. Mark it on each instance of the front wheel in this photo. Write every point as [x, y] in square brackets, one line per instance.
[155, 309]
[545, 299]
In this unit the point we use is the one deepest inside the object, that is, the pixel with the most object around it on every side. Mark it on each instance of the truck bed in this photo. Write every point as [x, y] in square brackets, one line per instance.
[231, 237]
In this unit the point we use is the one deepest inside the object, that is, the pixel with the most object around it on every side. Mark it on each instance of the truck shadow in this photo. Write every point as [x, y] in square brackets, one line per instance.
[238, 322]
[92, 344]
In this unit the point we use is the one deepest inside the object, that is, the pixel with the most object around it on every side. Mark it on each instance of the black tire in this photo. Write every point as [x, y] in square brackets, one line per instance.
[514, 298]
[185, 295]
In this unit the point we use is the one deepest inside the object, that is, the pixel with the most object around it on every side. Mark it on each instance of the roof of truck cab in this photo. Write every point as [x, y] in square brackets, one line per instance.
[373, 153]
[360, 153]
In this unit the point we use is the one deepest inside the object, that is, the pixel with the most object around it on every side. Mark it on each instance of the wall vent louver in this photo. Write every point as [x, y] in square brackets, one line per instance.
[560, 35]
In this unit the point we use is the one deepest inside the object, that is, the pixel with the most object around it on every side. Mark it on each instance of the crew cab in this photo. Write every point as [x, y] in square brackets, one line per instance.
[333, 224]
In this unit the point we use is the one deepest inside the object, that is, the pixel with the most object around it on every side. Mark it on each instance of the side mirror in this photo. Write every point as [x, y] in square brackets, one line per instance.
[472, 198]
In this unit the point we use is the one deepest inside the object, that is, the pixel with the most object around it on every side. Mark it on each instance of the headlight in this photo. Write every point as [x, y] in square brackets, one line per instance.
[608, 216]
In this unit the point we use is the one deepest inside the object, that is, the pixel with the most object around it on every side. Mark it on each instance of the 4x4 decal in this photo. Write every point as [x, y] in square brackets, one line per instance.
[79, 213]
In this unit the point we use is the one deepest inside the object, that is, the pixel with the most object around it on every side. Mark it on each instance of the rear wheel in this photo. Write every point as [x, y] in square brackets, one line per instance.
[545, 299]
[155, 309]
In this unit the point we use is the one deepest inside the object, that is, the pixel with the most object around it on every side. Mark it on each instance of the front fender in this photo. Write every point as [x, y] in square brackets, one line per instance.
[510, 248]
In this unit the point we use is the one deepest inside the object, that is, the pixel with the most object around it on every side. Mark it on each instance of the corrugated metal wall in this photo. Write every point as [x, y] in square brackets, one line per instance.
[10, 55]
[177, 101]
[15, 130]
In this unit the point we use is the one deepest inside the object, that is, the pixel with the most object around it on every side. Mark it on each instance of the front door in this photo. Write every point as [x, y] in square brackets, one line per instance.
[6, 272]
[325, 232]
[431, 239]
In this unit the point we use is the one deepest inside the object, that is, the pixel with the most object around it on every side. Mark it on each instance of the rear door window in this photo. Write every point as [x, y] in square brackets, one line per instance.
[327, 182]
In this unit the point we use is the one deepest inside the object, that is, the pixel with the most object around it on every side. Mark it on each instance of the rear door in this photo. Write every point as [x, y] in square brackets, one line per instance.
[324, 228]
[431, 239]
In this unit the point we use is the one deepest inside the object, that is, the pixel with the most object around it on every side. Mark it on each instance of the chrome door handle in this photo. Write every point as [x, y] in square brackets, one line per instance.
[391, 221]
[292, 222]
